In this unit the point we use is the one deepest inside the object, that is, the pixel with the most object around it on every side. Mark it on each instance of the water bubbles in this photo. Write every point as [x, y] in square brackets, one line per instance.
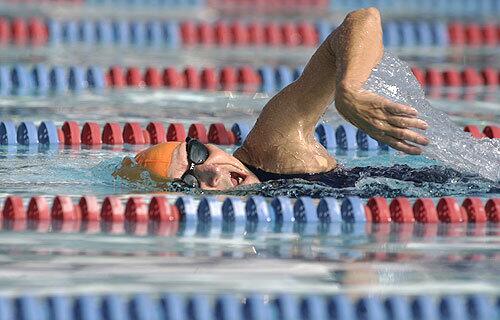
[448, 143]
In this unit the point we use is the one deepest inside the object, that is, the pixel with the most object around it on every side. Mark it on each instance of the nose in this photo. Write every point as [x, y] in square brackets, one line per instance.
[208, 174]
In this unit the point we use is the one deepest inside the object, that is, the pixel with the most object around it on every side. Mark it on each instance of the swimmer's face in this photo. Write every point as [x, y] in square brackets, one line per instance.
[221, 171]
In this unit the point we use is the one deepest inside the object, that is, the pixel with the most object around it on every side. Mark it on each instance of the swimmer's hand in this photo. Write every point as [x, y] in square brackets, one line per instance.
[382, 119]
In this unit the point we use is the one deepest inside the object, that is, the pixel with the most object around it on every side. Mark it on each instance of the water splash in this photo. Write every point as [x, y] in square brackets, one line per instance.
[393, 79]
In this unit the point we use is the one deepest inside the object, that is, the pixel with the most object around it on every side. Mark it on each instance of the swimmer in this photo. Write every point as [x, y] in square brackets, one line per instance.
[281, 145]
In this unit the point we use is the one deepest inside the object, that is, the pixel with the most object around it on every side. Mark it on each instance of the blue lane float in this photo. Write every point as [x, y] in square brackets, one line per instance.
[40, 76]
[326, 136]
[328, 210]
[283, 209]
[365, 142]
[304, 210]
[234, 306]
[283, 76]
[57, 78]
[47, 133]
[345, 136]
[258, 210]
[352, 210]
[8, 133]
[233, 210]
[241, 131]
[76, 79]
[269, 85]
[27, 133]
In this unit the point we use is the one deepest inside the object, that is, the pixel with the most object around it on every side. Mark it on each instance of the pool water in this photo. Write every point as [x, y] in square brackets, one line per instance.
[267, 257]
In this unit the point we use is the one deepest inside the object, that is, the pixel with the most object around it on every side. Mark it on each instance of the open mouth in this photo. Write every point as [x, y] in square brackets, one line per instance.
[237, 178]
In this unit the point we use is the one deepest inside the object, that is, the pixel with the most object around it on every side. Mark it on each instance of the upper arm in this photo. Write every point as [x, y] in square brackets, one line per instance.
[288, 120]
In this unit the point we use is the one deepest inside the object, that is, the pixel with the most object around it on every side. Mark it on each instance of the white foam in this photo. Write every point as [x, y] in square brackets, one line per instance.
[393, 79]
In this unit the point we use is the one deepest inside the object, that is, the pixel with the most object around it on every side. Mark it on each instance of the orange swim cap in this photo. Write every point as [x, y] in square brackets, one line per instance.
[157, 159]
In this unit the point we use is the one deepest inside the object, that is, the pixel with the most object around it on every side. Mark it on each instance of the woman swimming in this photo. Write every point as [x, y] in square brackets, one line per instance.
[281, 145]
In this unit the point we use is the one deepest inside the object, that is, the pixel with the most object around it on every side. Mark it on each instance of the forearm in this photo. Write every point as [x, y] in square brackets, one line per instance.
[345, 59]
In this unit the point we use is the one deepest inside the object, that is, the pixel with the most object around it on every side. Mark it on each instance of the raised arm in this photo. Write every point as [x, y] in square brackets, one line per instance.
[283, 141]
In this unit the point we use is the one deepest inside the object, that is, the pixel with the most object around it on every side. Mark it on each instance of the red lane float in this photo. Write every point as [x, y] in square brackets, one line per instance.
[13, 209]
[424, 211]
[91, 134]
[63, 209]
[176, 132]
[449, 211]
[136, 210]
[474, 210]
[156, 132]
[71, 132]
[492, 209]
[401, 210]
[89, 208]
[38, 209]
[198, 131]
[132, 133]
[379, 210]
[112, 210]
[161, 211]
[111, 134]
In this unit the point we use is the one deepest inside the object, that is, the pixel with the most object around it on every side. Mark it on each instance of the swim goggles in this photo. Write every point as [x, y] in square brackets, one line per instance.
[197, 153]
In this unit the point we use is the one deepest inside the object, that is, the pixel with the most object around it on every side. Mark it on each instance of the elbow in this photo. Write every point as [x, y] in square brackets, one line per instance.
[367, 15]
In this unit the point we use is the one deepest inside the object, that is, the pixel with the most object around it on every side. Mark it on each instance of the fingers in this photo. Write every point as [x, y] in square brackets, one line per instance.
[407, 135]
[400, 109]
[401, 145]
[405, 122]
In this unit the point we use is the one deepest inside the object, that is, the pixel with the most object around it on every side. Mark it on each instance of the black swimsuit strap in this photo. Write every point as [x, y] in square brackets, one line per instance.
[264, 176]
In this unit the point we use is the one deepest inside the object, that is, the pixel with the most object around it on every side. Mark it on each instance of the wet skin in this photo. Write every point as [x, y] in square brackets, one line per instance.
[282, 140]
[220, 171]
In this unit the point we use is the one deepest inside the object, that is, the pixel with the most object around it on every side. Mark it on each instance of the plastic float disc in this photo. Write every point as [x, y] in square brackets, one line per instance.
[156, 132]
[474, 131]
[112, 210]
[27, 133]
[209, 79]
[352, 210]
[424, 211]
[192, 78]
[38, 209]
[160, 210]
[89, 208]
[228, 79]
[132, 133]
[449, 211]
[173, 79]
[198, 131]
[401, 210]
[71, 133]
[176, 132]
[133, 77]
[136, 210]
[111, 134]
[328, 210]
[304, 210]
[474, 210]
[345, 136]
[240, 131]
[492, 209]
[218, 134]
[325, 134]
[283, 209]
[379, 209]
[63, 209]
[91, 134]
[153, 78]
[233, 210]
[258, 210]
